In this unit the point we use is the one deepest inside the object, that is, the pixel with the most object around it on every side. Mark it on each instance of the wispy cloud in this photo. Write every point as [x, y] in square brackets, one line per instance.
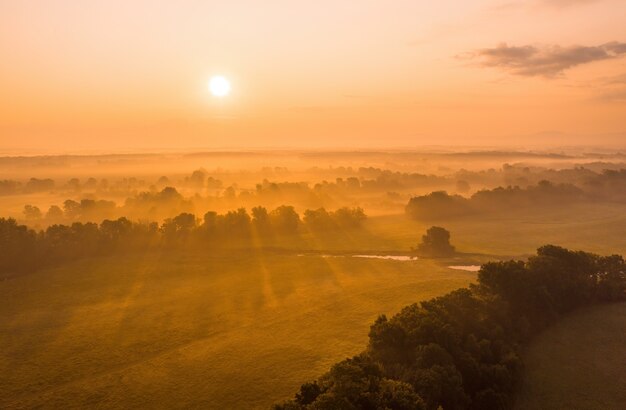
[546, 61]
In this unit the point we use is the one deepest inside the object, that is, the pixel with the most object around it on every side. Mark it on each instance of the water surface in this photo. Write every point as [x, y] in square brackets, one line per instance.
[469, 268]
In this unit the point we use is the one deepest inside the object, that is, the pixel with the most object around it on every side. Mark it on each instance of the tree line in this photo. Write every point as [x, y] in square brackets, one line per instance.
[25, 249]
[462, 350]
[545, 194]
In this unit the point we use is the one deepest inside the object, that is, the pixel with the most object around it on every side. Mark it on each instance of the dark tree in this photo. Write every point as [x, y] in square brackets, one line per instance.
[437, 205]
[54, 213]
[436, 243]
[318, 219]
[198, 178]
[17, 244]
[210, 223]
[32, 212]
[285, 219]
[236, 224]
[39, 185]
[179, 227]
[71, 208]
[260, 219]
[356, 383]
[9, 187]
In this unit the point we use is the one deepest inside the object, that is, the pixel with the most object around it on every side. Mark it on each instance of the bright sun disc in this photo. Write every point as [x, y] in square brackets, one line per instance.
[219, 86]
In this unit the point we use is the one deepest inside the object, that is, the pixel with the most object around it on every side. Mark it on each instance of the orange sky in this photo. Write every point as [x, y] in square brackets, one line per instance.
[126, 75]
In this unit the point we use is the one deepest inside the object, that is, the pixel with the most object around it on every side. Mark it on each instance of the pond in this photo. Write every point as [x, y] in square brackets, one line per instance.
[469, 268]
[391, 257]
[404, 258]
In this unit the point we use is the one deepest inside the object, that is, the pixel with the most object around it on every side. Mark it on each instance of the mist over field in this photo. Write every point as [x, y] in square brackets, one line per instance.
[229, 279]
[354, 205]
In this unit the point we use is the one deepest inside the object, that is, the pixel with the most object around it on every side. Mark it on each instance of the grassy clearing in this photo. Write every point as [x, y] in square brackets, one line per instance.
[187, 330]
[578, 364]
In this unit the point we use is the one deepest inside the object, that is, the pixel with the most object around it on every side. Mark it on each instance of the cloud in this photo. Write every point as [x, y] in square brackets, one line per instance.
[546, 61]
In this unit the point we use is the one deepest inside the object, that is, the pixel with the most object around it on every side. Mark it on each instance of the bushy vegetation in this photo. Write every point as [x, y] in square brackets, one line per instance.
[435, 243]
[545, 194]
[24, 249]
[462, 350]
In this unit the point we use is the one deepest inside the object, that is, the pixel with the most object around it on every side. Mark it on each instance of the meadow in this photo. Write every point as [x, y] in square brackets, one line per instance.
[208, 328]
[192, 329]
[579, 363]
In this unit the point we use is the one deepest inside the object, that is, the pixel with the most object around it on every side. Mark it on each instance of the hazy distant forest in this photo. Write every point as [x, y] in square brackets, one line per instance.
[302, 280]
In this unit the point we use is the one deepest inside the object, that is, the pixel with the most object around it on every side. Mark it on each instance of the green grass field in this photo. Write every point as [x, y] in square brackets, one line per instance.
[237, 329]
[191, 330]
[580, 363]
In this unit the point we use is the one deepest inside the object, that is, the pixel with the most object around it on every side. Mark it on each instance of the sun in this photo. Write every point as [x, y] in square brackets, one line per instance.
[219, 86]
